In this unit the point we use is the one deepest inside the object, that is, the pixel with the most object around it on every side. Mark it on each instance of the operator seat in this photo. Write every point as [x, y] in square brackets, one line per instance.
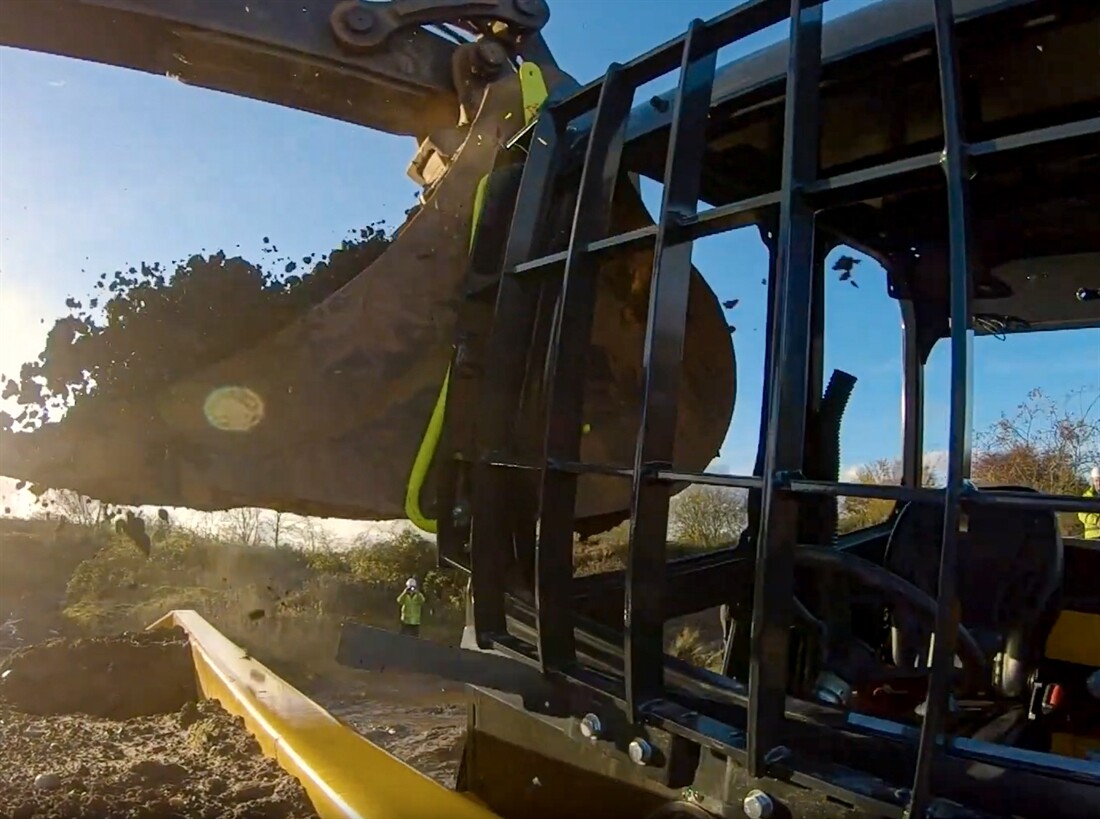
[1010, 584]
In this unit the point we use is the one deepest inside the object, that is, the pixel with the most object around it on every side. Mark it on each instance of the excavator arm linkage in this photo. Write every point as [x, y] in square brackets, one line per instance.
[371, 64]
[340, 399]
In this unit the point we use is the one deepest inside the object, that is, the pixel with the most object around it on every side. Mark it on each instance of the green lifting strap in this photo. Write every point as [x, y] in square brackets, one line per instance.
[533, 93]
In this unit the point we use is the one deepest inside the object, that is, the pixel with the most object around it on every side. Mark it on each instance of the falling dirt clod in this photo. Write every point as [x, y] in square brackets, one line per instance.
[160, 325]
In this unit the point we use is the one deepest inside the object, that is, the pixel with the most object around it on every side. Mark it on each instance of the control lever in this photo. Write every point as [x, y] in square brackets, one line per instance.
[1088, 294]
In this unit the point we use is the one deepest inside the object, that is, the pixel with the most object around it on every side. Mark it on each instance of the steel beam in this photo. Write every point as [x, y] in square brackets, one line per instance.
[569, 348]
[505, 364]
[955, 163]
[774, 589]
[662, 365]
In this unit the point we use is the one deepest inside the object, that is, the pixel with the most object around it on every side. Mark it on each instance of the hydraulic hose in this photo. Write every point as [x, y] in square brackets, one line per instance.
[534, 93]
[830, 419]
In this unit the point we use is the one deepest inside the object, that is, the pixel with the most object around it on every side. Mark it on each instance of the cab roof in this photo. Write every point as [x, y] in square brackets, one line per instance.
[1027, 65]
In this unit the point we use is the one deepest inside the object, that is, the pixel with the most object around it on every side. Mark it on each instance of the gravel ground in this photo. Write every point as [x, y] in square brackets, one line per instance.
[112, 727]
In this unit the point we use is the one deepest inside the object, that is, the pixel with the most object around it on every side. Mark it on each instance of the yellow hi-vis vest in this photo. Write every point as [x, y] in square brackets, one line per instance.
[411, 604]
[1090, 520]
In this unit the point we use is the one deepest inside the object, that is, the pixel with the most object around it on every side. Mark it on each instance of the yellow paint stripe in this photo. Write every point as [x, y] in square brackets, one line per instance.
[479, 205]
[345, 775]
[532, 86]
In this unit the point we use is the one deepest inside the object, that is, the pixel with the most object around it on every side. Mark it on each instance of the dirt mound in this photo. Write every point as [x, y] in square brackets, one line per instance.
[163, 754]
[119, 678]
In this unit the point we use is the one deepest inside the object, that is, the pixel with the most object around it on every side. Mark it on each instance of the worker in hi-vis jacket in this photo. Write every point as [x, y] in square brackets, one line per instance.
[1091, 520]
[412, 604]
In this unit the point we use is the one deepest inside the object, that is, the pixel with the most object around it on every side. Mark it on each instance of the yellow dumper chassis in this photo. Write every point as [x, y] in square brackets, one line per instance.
[345, 775]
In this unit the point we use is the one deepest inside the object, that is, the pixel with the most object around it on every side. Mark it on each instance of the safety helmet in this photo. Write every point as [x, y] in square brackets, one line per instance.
[1095, 473]
[410, 583]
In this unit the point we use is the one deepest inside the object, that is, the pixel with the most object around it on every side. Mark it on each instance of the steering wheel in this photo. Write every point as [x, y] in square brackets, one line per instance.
[900, 593]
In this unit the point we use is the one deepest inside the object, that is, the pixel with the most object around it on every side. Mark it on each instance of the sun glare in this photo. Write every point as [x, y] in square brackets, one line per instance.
[22, 332]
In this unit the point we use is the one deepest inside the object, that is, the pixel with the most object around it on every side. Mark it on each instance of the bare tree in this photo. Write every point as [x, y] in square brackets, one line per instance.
[74, 507]
[860, 513]
[313, 534]
[273, 527]
[243, 525]
[707, 516]
[282, 529]
[1043, 446]
[204, 525]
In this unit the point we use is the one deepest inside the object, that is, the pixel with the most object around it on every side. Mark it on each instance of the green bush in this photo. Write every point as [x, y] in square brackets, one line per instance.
[119, 567]
[390, 563]
[689, 645]
[243, 589]
[328, 561]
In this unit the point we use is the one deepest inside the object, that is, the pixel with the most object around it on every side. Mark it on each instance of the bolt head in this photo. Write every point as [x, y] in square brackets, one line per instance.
[591, 727]
[359, 19]
[492, 53]
[640, 751]
[460, 515]
[758, 805]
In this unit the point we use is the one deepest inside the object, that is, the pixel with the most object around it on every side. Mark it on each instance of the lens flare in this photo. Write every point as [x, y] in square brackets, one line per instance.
[233, 409]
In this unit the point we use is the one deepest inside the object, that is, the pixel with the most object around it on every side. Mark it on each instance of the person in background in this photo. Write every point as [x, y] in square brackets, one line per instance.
[1091, 520]
[412, 604]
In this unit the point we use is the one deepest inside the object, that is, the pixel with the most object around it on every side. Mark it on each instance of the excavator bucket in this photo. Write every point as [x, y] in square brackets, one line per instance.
[326, 415]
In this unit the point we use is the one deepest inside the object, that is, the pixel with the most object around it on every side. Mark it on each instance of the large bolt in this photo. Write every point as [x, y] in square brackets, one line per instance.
[591, 727]
[640, 751]
[758, 805]
[359, 19]
[460, 515]
[491, 55]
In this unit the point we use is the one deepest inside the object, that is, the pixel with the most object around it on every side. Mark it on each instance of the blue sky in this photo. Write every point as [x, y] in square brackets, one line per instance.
[101, 167]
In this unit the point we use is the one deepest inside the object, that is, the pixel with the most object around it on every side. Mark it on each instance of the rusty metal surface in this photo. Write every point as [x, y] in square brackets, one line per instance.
[345, 392]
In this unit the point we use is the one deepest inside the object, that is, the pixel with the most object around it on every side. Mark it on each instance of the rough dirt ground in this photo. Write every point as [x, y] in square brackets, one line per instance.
[112, 727]
[420, 720]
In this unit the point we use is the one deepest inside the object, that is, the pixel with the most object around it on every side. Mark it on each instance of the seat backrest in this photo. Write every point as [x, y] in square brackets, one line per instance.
[1010, 574]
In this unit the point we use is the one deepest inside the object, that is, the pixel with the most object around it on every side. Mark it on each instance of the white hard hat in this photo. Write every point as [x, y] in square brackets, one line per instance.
[410, 583]
[1095, 473]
